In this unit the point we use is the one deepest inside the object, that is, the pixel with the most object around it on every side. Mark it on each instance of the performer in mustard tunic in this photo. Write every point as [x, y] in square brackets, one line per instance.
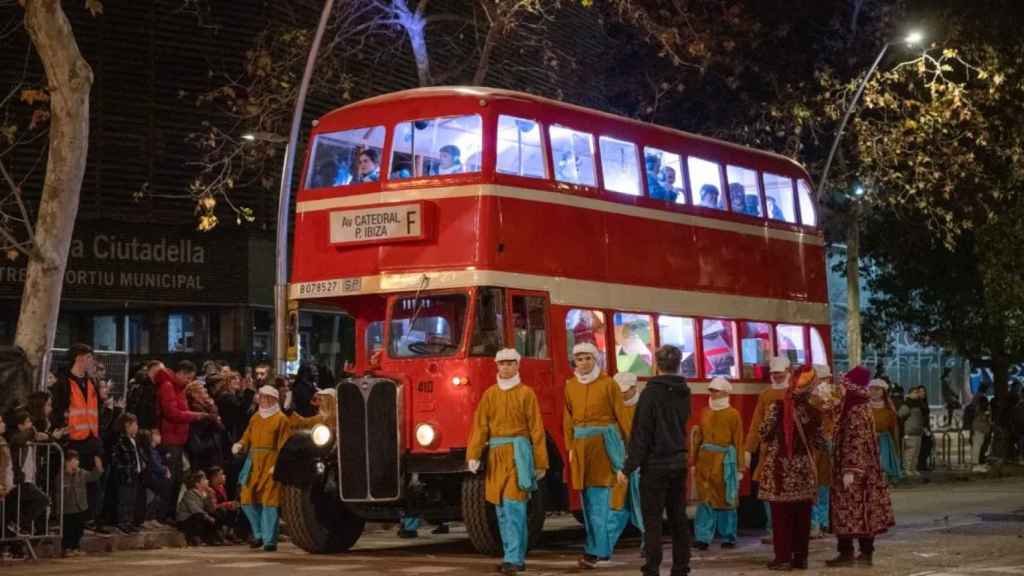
[509, 422]
[825, 399]
[779, 373]
[626, 498]
[886, 429]
[593, 423]
[263, 439]
[716, 444]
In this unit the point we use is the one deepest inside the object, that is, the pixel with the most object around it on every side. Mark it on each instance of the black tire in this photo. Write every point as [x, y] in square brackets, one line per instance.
[479, 517]
[317, 522]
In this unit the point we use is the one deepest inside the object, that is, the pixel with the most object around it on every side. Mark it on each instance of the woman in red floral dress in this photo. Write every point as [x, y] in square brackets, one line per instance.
[860, 504]
[790, 432]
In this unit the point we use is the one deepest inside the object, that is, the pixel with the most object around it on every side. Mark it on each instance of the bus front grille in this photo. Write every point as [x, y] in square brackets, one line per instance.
[369, 439]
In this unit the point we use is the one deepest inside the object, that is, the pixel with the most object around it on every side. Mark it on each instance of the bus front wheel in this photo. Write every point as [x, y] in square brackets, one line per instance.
[318, 522]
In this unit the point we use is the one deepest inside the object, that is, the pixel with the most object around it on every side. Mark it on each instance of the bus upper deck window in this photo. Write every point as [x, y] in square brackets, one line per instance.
[664, 175]
[706, 183]
[744, 194]
[520, 151]
[778, 194]
[807, 214]
[573, 153]
[619, 166]
[346, 157]
[436, 147]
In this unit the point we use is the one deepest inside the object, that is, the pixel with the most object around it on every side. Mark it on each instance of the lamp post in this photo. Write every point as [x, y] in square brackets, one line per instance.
[284, 200]
[853, 332]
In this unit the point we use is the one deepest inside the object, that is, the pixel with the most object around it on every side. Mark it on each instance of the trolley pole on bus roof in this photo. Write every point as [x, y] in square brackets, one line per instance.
[284, 201]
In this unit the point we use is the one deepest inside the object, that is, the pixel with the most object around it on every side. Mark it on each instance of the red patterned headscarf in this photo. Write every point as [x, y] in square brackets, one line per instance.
[799, 387]
[856, 384]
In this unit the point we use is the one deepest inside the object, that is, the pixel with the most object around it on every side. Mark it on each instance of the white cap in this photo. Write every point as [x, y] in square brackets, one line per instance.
[778, 364]
[328, 392]
[822, 371]
[721, 384]
[625, 380]
[269, 391]
[878, 383]
[585, 348]
[507, 354]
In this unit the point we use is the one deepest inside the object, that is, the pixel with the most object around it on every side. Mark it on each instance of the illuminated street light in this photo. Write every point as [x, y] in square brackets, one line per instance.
[858, 191]
[264, 137]
[914, 37]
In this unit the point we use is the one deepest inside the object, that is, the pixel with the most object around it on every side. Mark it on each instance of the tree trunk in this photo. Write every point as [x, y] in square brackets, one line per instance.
[853, 336]
[418, 42]
[69, 78]
[497, 30]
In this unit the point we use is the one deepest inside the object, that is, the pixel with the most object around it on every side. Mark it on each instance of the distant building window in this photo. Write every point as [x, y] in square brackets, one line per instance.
[573, 154]
[706, 183]
[718, 338]
[664, 171]
[778, 194]
[520, 151]
[680, 332]
[346, 157]
[188, 332]
[744, 193]
[586, 326]
[436, 147]
[791, 343]
[634, 343]
[529, 326]
[808, 215]
[756, 349]
[620, 166]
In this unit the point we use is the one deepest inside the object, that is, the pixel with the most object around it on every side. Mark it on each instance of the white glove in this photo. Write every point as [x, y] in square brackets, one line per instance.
[236, 448]
[540, 474]
[739, 477]
[847, 479]
[746, 459]
[474, 466]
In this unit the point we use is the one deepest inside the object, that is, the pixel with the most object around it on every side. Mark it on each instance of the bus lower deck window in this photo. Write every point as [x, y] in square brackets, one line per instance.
[680, 332]
[634, 343]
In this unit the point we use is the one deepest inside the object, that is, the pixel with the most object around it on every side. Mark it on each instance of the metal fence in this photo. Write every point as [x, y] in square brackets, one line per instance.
[116, 364]
[33, 511]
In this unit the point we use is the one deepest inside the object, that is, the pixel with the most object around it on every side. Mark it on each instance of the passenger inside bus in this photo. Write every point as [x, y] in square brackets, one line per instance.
[654, 186]
[667, 180]
[709, 196]
[369, 166]
[774, 212]
[401, 170]
[450, 162]
[741, 201]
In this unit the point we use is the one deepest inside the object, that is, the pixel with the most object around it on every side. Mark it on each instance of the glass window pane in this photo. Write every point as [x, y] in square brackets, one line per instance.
[818, 354]
[808, 216]
[756, 349]
[586, 326]
[489, 326]
[719, 340]
[436, 147]
[744, 193]
[619, 166]
[634, 343]
[706, 183]
[104, 332]
[791, 343]
[573, 155]
[664, 175]
[529, 326]
[187, 332]
[680, 332]
[519, 148]
[374, 338]
[346, 157]
[778, 192]
[437, 330]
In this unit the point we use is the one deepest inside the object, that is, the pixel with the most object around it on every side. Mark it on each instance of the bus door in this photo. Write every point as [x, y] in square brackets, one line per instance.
[528, 314]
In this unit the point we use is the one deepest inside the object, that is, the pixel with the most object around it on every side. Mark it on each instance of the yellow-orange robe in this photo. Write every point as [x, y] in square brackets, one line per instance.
[886, 421]
[596, 404]
[619, 492]
[263, 440]
[822, 458]
[503, 413]
[766, 399]
[725, 428]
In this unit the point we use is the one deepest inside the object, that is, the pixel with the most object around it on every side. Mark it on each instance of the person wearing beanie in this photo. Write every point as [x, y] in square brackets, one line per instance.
[825, 399]
[716, 444]
[594, 424]
[508, 421]
[626, 497]
[883, 412]
[860, 502]
[790, 433]
[266, 434]
[779, 373]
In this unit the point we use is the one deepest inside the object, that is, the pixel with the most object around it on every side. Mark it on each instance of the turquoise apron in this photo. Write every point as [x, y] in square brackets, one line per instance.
[523, 454]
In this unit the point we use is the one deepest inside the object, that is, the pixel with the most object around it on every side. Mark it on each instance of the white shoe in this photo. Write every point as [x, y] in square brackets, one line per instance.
[980, 468]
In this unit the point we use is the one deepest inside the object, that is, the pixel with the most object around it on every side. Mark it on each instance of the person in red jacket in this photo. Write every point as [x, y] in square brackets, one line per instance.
[175, 416]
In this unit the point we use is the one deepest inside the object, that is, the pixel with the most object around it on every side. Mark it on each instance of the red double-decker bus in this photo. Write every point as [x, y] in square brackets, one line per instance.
[451, 222]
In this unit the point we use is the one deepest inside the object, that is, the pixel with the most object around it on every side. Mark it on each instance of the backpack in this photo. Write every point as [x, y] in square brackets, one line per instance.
[144, 403]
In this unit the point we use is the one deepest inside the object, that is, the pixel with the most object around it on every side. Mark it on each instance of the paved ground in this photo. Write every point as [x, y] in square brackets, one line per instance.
[964, 529]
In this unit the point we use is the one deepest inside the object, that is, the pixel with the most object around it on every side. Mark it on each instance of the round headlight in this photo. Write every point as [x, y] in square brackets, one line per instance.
[321, 435]
[425, 435]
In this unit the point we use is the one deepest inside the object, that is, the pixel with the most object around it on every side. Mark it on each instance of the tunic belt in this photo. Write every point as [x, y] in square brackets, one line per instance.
[729, 469]
[613, 445]
[523, 455]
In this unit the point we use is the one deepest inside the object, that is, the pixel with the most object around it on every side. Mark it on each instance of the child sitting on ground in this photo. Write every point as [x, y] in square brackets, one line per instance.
[195, 512]
[227, 512]
[76, 505]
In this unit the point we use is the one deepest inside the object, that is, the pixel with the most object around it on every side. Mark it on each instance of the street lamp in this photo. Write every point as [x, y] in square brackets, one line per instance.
[264, 137]
[284, 200]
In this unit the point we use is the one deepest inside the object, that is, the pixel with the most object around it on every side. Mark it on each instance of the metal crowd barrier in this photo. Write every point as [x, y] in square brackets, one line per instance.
[33, 511]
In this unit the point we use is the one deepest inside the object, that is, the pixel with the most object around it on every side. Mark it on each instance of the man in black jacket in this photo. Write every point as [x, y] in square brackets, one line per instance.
[657, 446]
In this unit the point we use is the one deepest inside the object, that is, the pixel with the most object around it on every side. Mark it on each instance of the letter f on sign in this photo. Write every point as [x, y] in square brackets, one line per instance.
[409, 220]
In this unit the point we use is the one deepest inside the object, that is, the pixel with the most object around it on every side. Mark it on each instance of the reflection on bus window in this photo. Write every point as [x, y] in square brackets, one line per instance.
[619, 166]
[706, 183]
[808, 217]
[778, 194]
[634, 343]
[436, 147]
[488, 328]
[664, 175]
[427, 326]
[744, 195]
[680, 332]
[519, 148]
[718, 338]
[818, 354]
[791, 343]
[374, 338]
[756, 349]
[573, 153]
[586, 326]
[346, 157]
[529, 326]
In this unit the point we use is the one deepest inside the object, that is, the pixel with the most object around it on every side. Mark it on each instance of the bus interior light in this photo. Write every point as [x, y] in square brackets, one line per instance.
[425, 435]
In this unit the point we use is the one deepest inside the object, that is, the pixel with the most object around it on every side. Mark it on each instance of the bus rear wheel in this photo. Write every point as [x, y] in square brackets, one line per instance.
[482, 522]
[317, 522]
